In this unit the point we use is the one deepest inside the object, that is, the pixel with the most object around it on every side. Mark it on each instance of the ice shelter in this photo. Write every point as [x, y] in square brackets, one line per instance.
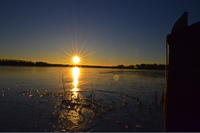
[182, 101]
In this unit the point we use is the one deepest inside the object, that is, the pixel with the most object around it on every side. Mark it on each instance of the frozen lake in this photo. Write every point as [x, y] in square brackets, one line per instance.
[96, 99]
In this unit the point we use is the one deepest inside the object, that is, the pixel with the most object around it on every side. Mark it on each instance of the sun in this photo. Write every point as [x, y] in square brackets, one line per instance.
[76, 59]
[76, 55]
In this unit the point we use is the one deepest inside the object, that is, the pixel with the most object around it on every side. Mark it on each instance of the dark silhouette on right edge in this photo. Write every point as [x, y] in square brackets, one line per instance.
[182, 103]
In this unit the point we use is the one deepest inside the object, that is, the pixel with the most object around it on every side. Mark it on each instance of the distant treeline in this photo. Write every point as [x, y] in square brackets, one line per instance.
[144, 66]
[11, 62]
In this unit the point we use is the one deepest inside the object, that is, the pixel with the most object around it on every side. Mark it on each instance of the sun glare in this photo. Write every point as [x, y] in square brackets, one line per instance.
[76, 60]
[77, 55]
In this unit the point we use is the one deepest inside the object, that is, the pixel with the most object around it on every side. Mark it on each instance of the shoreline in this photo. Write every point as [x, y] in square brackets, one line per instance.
[83, 66]
[7, 62]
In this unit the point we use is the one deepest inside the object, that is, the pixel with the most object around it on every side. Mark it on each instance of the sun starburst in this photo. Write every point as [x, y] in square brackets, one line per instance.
[76, 55]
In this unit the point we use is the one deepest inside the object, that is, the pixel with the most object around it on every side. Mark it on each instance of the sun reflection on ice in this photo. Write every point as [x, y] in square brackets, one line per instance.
[75, 73]
[74, 114]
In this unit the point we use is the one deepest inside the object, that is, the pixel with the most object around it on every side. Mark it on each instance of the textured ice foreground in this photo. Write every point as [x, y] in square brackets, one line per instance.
[105, 100]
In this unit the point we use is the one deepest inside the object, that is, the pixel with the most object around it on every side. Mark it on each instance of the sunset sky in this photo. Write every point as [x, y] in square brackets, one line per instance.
[109, 32]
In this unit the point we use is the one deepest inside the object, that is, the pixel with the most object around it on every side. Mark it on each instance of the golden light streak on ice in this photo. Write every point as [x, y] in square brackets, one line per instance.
[75, 73]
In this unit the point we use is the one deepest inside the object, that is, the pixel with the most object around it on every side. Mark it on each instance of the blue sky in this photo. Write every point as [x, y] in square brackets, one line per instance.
[109, 32]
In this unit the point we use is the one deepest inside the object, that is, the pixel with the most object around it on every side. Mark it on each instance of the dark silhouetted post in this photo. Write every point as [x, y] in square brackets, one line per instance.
[182, 104]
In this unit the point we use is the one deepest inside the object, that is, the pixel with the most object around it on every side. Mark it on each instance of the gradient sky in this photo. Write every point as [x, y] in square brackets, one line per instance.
[110, 32]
